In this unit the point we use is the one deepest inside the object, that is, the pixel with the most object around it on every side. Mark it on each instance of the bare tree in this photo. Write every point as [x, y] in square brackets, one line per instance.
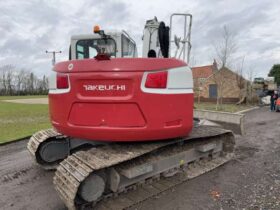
[31, 81]
[249, 86]
[225, 47]
[3, 85]
[221, 78]
[45, 84]
[9, 80]
[6, 73]
[240, 81]
[21, 82]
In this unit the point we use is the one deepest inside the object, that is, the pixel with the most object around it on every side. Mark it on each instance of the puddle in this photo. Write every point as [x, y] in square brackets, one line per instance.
[261, 123]
[243, 152]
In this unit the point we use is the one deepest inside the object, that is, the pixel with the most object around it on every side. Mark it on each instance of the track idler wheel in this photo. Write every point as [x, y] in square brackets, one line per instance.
[92, 188]
[51, 152]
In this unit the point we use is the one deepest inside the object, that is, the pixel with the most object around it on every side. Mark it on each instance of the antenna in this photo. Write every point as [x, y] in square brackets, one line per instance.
[53, 52]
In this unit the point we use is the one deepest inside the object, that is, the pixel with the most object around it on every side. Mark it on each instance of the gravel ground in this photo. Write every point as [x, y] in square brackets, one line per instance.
[250, 181]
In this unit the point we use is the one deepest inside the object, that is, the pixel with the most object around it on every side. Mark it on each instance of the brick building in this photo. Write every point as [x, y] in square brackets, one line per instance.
[211, 82]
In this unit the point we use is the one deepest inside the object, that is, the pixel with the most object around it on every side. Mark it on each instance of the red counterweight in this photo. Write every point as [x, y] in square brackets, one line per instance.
[122, 99]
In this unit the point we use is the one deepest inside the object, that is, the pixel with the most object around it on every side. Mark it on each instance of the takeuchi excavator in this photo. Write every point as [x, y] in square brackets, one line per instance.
[119, 120]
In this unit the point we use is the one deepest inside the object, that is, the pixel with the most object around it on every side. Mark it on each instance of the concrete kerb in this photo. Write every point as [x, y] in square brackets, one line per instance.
[230, 121]
[247, 110]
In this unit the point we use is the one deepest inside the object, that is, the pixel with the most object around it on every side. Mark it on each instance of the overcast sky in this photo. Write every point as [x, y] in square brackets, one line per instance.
[28, 28]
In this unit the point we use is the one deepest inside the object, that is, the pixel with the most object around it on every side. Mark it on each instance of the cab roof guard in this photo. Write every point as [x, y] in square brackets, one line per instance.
[186, 40]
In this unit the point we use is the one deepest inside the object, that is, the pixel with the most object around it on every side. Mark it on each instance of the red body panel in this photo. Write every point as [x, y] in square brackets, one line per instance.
[111, 113]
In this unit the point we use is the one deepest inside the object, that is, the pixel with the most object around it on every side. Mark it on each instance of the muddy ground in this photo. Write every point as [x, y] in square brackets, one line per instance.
[250, 181]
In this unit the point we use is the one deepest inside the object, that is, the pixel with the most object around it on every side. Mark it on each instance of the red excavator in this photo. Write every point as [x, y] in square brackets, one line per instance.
[119, 120]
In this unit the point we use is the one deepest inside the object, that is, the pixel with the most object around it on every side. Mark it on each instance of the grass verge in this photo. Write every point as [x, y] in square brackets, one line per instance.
[223, 108]
[20, 120]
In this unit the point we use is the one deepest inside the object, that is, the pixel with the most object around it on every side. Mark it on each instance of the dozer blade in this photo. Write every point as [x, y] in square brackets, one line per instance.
[226, 120]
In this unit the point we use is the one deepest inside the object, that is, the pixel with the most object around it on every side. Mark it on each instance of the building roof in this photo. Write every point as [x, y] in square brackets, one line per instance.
[202, 71]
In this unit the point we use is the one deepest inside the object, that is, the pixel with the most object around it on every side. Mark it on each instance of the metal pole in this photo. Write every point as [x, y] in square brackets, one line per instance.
[189, 39]
[53, 53]
[185, 34]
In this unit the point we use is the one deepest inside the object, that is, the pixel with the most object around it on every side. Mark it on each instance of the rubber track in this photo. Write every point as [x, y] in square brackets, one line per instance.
[75, 168]
[37, 139]
[157, 185]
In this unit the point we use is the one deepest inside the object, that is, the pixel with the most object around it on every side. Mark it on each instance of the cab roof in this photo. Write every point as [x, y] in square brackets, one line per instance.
[93, 35]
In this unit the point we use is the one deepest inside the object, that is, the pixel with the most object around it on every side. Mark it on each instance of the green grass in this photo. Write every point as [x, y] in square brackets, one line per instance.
[224, 107]
[21, 120]
[21, 97]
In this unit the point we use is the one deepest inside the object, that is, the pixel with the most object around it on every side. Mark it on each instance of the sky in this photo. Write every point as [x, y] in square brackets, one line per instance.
[29, 28]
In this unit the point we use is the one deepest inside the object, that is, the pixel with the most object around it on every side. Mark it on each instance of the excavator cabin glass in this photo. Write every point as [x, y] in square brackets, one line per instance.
[128, 47]
[91, 47]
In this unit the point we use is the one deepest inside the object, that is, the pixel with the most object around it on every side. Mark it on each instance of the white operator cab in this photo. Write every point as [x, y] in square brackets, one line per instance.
[116, 44]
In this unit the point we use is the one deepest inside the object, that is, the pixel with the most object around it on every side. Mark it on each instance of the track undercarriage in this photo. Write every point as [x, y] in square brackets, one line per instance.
[48, 147]
[90, 174]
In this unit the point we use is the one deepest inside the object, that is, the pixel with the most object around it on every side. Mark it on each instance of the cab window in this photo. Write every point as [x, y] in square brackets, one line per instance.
[90, 48]
[128, 47]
